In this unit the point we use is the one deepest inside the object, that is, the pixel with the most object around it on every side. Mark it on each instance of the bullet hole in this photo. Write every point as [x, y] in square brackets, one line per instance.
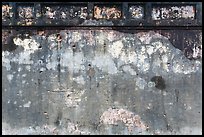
[104, 47]
[40, 62]
[97, 85]
[89, 65]
[159, 82]
[40, 47]
[41, 71]
[45, 113]
[74, 48]
[59, 38]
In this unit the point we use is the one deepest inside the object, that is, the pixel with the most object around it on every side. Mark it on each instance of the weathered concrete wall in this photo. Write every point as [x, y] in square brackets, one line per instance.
[101, 82]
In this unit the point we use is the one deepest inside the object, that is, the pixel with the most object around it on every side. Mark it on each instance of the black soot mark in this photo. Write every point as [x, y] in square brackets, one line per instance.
[10, 46]
[159, 82]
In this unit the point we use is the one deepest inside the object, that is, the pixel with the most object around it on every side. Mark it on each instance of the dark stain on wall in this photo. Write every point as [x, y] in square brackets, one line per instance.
[159, 82]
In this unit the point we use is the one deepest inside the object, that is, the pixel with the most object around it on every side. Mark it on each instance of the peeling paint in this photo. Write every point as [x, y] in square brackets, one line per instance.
[112, 116]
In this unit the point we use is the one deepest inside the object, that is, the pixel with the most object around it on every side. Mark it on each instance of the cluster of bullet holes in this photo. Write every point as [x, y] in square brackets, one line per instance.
[104, 47]
[159, 82]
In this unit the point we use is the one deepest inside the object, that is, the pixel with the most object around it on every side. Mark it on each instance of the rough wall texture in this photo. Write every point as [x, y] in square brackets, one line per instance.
[100, 82]
[106, 79]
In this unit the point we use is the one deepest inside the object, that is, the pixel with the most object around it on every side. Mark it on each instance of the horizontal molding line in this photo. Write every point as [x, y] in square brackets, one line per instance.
[107, 27]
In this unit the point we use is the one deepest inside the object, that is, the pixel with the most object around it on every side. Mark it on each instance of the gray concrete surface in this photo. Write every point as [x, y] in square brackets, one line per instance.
[99, 82]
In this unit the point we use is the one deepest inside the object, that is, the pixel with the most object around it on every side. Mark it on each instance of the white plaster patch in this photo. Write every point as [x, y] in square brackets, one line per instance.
[105, 63]
[79, 80]
[141, 83]
[74, 62]
[129, 70]
[27, 44]
[150, 49]
[6, 60]
[23, 82]
[143, 63]
[76, 36]
[111, 35]
[9, 77]
[51, 65]
[130, 57]
[191, 131]
[27, 105]
[101, 38]
[24, 58]
[28, 67]
[42, 69]
[159, 46]
[20, 92]
[115, 49]
[24, 75]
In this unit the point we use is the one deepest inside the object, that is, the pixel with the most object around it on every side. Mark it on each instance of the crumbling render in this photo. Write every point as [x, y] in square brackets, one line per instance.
[112, 116]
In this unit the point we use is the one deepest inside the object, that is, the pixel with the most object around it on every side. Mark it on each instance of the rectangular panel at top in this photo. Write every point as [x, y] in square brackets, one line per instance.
[25, 14]
[136, 11]
[7, 14]
[167, 12]
[140, 14]
[59, 11]
[107, 11]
